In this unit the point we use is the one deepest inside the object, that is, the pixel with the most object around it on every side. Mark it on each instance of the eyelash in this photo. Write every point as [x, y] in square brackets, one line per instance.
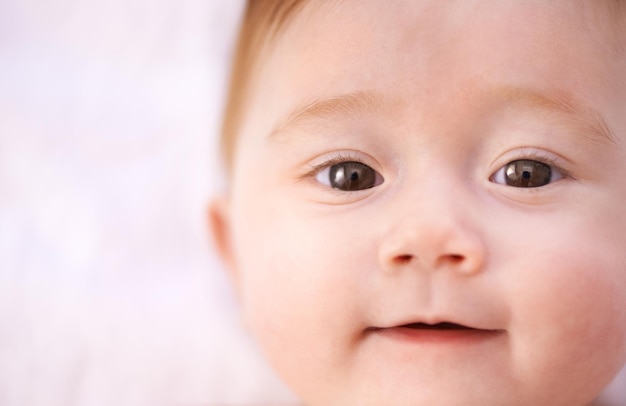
[538, 156]
[340, 157]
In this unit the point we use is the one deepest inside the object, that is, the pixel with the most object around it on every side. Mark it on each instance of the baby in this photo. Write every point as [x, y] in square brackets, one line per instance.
[425, 199]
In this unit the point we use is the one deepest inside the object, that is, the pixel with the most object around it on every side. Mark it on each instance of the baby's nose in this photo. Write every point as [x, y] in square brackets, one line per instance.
[432, 234]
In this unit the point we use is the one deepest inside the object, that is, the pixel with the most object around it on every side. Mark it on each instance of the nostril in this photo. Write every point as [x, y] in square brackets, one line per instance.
[403, 259]
[455, 258]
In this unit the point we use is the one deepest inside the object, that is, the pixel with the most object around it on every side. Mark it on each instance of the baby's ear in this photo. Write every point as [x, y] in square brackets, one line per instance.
[220, 229]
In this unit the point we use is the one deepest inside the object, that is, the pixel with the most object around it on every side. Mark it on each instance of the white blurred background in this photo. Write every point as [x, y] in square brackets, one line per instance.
[109, 291]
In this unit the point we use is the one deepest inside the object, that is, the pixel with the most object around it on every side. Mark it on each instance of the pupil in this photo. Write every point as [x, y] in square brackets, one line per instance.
[354, 176]
[526, 175]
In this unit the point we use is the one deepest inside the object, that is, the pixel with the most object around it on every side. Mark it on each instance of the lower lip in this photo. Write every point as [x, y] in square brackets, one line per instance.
[439, 337]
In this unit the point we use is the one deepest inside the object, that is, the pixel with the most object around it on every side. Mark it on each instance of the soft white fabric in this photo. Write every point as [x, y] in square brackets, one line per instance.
[109, 291]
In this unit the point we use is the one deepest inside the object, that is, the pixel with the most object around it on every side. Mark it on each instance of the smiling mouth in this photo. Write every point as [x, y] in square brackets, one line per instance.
[442, 333]
[442, 326]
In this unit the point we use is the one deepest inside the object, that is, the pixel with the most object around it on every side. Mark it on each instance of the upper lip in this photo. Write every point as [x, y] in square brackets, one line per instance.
[445, 325]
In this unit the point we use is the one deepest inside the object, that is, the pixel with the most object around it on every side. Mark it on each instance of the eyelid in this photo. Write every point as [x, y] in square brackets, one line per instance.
[535, 154]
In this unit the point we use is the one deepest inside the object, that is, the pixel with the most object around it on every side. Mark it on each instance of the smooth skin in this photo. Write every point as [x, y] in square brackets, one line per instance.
[439, 98]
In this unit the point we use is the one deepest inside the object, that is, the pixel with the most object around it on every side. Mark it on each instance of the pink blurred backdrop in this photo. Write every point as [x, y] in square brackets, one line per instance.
[109, 291]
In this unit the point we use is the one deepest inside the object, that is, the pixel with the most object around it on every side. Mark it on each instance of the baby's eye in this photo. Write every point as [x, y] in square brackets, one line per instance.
[526, 173]
[349, 176]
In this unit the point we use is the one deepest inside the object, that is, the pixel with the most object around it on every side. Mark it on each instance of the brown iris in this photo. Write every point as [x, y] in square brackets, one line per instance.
[351, 176]
[527, 173]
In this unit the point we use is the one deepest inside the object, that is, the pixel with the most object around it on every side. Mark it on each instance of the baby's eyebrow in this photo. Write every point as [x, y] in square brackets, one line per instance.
[349, 104]
[592, 123]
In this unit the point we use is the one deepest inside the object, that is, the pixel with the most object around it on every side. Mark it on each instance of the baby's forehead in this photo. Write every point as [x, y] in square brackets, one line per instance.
[320, 31]
[609, 17]
[595, 28]
[606, 16]
[556, 43]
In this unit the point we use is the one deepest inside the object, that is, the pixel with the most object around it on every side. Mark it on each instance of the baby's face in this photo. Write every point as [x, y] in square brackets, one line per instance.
[427, 203]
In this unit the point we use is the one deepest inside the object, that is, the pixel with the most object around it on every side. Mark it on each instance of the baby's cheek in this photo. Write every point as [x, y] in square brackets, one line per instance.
[299, 294]
[594, 320]
[573, 312]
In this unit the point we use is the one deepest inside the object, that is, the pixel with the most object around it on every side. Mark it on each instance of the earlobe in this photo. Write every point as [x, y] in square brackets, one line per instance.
[220, 229]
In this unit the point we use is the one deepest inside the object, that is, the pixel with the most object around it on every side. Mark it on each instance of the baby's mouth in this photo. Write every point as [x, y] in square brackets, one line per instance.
[441, 326]
[440, 333]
